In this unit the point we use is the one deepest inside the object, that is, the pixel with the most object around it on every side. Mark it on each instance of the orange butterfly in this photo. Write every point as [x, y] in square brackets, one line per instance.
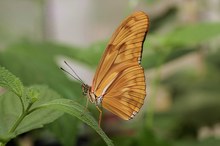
[119, 82]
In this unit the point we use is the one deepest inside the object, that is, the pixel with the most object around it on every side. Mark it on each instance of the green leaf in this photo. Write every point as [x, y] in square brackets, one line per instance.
[178, 42]
[11, 109]
[75, 109]
[11, 82]
[32, 95]
[42, 116]
[66, 129]
[192, 34]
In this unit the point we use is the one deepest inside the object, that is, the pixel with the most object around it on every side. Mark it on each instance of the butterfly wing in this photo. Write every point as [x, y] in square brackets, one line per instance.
[119, 77]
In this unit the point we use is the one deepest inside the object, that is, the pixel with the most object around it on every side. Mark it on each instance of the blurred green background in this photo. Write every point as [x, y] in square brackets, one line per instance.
[181, 58]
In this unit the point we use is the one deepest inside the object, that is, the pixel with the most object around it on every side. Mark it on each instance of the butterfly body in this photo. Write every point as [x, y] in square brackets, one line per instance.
[119, 82]
[91, 95]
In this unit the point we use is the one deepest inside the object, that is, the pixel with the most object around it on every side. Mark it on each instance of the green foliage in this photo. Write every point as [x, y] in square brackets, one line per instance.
[73, 108]
[11, 82]
[192, 35]
[195, 93]
[141, 138]
[40, 106]
[36, 64]
[191, 142]
[16, 114]
[11, 110]
[180, 41]
[65, 129]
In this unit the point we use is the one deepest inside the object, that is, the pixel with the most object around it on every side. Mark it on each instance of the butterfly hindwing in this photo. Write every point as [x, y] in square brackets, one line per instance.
[126, 95]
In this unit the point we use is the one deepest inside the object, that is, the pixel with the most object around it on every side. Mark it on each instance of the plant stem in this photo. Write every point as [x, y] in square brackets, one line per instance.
[20, 118]
[22, 104]
[34, 109]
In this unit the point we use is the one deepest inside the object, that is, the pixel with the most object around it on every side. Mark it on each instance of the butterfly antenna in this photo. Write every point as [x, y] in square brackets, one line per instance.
[78, 78]
[70, 74]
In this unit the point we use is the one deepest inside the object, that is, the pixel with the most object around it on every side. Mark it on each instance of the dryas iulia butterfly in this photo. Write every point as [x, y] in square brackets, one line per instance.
[119, 82]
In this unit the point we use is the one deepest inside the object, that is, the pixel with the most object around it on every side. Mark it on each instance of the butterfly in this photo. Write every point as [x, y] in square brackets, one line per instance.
[119, 83]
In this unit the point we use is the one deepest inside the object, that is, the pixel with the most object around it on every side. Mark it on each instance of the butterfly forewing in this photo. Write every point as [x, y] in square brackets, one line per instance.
[119, 77]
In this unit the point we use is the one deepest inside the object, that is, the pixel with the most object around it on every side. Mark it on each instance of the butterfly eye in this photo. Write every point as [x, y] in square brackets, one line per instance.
[84, 93]
[85, 89]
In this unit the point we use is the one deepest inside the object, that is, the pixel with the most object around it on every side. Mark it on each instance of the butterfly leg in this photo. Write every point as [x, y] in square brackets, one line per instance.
[87, 103]
[100, 115]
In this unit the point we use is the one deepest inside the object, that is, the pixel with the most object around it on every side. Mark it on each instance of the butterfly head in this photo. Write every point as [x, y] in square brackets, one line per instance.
[85, 89]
